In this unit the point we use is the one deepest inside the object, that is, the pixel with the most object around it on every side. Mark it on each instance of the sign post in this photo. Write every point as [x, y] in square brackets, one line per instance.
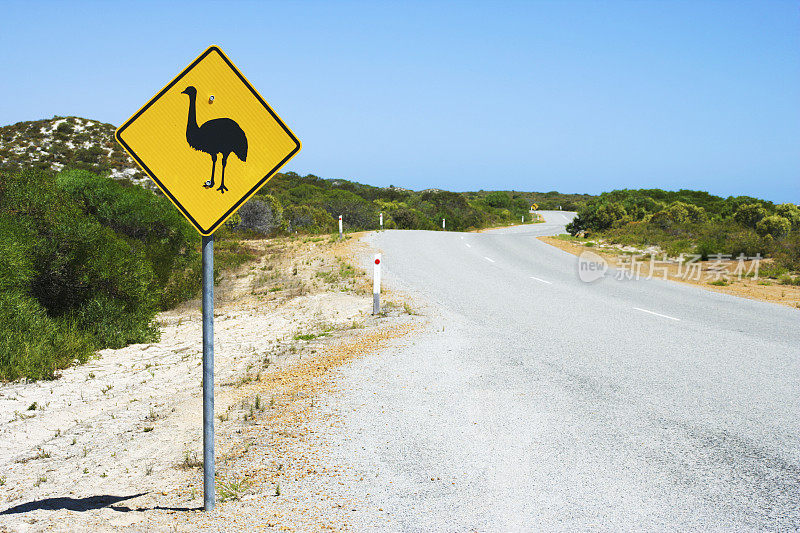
[209, 113]
[208, 372]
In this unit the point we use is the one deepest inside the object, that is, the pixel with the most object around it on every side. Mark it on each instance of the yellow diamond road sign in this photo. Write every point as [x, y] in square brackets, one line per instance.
[208, 140]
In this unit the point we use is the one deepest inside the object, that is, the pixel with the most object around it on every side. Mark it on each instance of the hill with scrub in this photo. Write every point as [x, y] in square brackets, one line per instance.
[66, 142]
[289, 202]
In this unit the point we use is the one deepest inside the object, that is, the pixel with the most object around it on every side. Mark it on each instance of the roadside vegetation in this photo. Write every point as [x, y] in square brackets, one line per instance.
[696, 222]
[85, 264]
[310, 204]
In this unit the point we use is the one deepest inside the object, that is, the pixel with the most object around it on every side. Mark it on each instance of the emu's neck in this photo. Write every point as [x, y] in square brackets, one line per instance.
[191, 123]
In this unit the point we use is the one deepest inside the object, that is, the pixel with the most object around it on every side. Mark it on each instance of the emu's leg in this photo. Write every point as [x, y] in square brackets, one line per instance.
[222, 188]
[210, 183]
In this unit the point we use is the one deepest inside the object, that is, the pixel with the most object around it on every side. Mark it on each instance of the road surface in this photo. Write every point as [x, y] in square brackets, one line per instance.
[535, 401]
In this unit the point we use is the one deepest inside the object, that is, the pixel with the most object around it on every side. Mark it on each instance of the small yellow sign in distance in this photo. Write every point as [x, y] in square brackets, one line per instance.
[208, 140]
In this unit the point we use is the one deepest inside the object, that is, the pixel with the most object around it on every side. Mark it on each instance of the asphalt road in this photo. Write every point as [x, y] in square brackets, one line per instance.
[537, 401]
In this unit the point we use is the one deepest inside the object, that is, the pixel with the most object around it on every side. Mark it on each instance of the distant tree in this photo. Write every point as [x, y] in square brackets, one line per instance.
[638, 206]
[598, 216]
[521, 204]
[63, 130]
[696, 213]
[773, 225]
[498, 199]
[393, 195]
[357, 213]
[607, 214]
[307, 218]
[749, 214]
[263, 214]
[790, 212]
[676, 213]
[405, 218]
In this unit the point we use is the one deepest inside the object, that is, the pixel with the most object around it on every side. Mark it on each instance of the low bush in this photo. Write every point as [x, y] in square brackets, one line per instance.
[85, 264]
[750, 214]
[149, 223]
[308, 219]
[262, 214]
[775, 226]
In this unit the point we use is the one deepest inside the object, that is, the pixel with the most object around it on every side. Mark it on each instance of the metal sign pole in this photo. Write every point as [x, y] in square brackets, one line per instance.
[208, 373]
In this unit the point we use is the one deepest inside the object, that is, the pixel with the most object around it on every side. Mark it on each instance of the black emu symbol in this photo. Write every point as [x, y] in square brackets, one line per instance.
[218, 136]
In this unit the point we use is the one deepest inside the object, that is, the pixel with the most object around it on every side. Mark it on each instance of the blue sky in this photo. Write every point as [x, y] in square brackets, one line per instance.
[568, 96]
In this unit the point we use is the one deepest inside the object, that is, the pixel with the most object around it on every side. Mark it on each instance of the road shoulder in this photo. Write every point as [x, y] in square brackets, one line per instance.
[761, 289]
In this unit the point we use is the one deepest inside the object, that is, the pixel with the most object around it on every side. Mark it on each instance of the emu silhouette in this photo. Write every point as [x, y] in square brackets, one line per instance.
[218, 136]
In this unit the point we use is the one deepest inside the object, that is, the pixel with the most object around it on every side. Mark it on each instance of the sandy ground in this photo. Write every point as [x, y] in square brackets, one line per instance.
[116, 444]
[756, 289]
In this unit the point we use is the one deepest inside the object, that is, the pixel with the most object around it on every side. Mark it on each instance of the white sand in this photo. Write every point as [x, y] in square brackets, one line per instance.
[110, 435]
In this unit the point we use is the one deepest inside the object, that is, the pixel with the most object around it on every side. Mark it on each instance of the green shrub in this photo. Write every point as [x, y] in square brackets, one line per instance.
[79, 263]
[786, 279]
[678, 247]
[361, 204]
[789, 212]
[152, 226]
[34, 345]
[707, 247]
[676, 213]
[771, 270]
[308, 219]
[736, 241]
[262, 213]
[750, 214]
[498, 199]
[598, 215]
[787, 251]
[774, 225]
[357, 213]
[405, 218]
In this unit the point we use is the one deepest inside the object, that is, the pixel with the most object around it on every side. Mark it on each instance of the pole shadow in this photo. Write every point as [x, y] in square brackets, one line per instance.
[89, 503]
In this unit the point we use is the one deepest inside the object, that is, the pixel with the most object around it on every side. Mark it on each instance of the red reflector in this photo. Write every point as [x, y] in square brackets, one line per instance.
[377, 261]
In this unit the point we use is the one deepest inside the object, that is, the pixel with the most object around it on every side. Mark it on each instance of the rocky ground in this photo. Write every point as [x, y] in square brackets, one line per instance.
[116, 444]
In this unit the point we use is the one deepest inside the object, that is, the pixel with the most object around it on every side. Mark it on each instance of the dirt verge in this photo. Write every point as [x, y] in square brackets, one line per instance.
[116, 444]
[757, 289]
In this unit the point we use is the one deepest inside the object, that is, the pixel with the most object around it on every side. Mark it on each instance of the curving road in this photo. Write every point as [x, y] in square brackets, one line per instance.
[536, 401]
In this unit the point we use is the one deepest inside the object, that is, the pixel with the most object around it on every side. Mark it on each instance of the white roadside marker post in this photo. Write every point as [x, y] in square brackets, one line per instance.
[340, 226]
[381, 220]
[376, 286]
[443, 224]
[523, 219]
